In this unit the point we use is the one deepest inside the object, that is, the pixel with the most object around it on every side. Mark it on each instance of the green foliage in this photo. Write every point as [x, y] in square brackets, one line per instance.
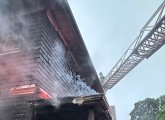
[162, 98]
[149, 109]
[161, 113]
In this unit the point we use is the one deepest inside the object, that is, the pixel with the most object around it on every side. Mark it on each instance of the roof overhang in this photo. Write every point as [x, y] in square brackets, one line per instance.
[77, 107]
[66, 108]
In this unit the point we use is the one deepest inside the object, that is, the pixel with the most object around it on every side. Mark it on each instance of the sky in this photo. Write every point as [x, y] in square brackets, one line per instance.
[108, 27]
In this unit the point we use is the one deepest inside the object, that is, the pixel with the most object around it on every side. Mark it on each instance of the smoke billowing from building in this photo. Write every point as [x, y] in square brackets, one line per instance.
[43, 58]
[30, 48]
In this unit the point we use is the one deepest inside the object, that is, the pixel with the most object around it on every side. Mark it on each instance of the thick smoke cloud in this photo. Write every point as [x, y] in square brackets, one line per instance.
[11, 69]
[14, 29]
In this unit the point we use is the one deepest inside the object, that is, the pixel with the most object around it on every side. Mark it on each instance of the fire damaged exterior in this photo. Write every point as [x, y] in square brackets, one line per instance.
[46, 72]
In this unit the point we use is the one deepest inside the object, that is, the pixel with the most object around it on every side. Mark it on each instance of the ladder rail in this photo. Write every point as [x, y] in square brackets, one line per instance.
[150, 39]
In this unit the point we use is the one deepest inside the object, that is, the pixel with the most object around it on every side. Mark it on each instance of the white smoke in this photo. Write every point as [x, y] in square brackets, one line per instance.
[76, 86]
[13, 24]
[82, 89]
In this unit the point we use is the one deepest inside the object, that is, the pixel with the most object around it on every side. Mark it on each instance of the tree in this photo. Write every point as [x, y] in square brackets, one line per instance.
[162, 100]
[148, 109]
[145, 110]
[161, 113]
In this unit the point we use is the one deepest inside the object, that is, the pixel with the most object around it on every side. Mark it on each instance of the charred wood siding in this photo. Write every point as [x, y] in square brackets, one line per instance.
[44, 60]
[55, 67]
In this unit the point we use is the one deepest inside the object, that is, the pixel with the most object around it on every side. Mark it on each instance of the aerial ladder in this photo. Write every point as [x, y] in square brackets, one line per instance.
[150, 39]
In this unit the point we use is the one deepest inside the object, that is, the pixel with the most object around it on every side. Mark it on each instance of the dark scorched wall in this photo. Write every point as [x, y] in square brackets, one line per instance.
[40, 57]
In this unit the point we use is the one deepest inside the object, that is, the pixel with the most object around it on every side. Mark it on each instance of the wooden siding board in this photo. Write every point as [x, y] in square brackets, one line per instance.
[48, 60]
[53, 61]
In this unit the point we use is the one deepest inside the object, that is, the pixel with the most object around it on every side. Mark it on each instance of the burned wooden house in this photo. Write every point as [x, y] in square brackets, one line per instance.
[45, 66]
